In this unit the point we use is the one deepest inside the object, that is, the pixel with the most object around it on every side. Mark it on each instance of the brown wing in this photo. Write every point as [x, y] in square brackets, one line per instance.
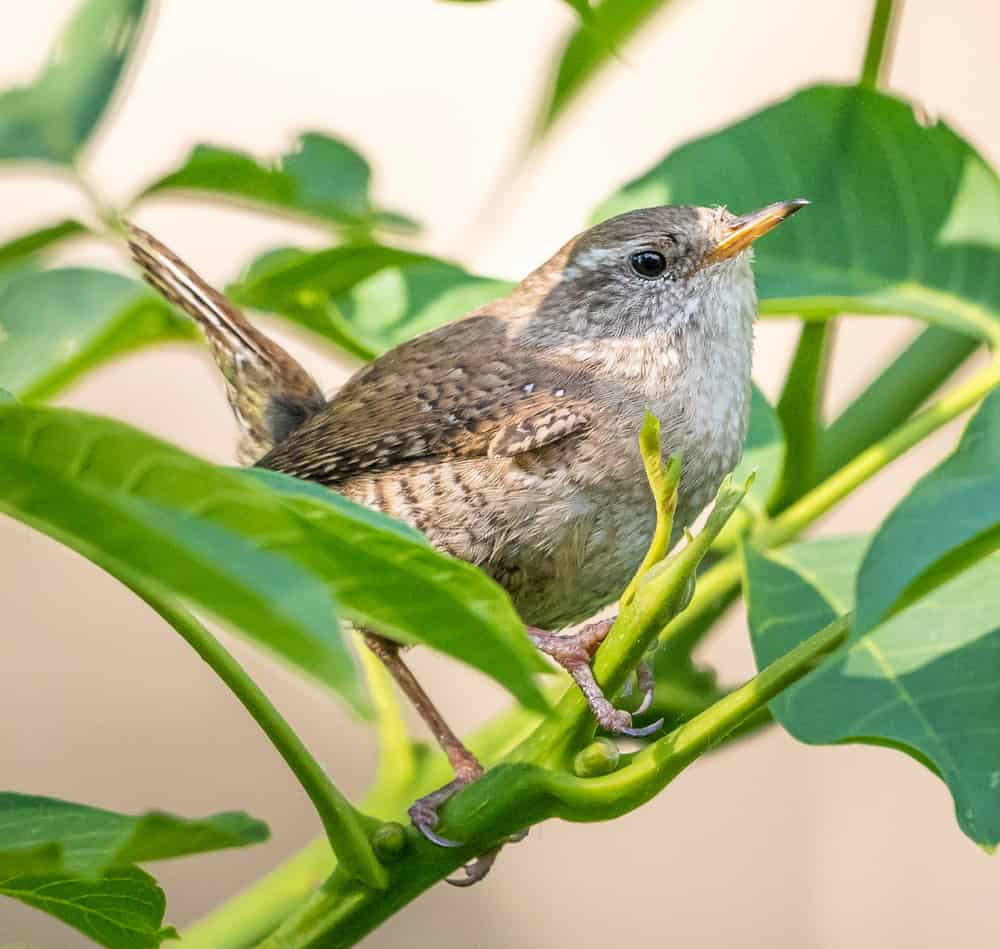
[459, 391]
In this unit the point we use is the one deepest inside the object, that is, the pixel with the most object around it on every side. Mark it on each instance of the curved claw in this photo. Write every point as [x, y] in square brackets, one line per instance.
[647, 700]
[476, 870]
[436, 838]
[643, 732]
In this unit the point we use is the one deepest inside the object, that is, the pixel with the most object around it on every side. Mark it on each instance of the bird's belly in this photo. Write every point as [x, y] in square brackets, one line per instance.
[563, 539]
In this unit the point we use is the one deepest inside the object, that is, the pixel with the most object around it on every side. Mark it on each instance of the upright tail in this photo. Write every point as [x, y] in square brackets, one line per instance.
[271, 394]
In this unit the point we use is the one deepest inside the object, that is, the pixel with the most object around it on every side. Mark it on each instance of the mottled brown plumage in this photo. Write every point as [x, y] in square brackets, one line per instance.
[510, 437]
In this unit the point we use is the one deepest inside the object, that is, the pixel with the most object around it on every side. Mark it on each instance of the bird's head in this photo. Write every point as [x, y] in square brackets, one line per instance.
[656, 267]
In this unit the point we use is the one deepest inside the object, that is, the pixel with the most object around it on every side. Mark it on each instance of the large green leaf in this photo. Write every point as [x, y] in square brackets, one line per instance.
[956, 504]
[926, 680]
[123, 909]
[906, 216]
[51, 119]
[45, 835]
[57, 324]
[274, 563]
[363, 298]
[321, 178]
[590, 47]
[27, 245]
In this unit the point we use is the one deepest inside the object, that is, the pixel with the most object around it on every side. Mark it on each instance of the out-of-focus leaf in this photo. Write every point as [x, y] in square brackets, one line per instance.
[25, 246]
[905, 216]
[364, 298]
[123, 909]
[321, 178]
[46, 835]
[926, 680]
[5, 396]
[604, 27]
[275, 563]
[955, 505]
[57, 324]
[53, 117]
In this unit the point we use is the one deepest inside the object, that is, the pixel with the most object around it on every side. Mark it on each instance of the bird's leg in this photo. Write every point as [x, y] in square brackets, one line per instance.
[423, 812]
[574, 653]
[467, 768]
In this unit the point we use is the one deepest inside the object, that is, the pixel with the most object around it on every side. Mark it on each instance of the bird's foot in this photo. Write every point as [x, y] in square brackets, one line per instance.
[574, 653]
[424, 814]
[424, 811]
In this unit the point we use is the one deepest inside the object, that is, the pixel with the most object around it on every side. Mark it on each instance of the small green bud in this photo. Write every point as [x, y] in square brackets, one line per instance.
[599, 757]
[389, 841]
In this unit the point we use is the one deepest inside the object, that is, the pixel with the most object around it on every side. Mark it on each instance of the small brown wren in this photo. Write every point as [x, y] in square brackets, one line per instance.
[510, 437]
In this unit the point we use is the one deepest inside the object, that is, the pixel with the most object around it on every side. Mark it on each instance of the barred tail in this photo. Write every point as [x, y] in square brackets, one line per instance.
[270, 393]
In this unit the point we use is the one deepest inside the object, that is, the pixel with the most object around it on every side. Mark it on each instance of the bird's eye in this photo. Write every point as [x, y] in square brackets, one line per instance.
[648, 263]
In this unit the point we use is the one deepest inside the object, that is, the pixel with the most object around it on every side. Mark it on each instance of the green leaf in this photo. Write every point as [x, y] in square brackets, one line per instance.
[590, 47]
[365, 299]
[46, 835]
[321, 178]
[5, 396]
[51, 119]
[388, 577]
[926, 680]
[763, 454]
[57, 324]
[273, 563]
[954, 505]
[27, 245]
[121, 910]
[906, 216]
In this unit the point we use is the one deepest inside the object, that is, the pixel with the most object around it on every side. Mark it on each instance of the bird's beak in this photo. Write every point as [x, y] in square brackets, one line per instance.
[745, 230]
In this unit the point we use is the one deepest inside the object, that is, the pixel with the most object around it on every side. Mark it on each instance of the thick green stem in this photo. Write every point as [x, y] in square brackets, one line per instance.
[899, 390]
[346, 828]
[879, 43]
[515, 795]
[252, 915]
[610, 796]
[800, 408]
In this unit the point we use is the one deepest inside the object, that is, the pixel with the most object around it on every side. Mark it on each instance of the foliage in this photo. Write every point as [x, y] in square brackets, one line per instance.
[889, 638]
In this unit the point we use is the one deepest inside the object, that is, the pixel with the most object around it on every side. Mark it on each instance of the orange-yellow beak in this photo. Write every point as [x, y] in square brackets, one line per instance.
[745, 230]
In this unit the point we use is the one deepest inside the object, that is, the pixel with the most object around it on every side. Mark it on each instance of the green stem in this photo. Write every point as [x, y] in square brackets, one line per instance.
[615, 794]
[879, 41]
[902, 387]
[346, 828]
[800, 408]
[252, 915]
[516, 795]
[872, 460]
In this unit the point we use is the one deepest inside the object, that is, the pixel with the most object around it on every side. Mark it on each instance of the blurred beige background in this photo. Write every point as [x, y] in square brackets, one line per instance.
[770, 843]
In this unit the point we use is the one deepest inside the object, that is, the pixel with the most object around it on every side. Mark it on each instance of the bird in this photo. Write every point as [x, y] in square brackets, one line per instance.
[509, 437]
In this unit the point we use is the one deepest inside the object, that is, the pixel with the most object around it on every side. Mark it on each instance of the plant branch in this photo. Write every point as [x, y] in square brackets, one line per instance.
[346, 828]
[899, 390]
[256, 912]
[800, 408]
[513, 796]
[649, 771]
[878, 50]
